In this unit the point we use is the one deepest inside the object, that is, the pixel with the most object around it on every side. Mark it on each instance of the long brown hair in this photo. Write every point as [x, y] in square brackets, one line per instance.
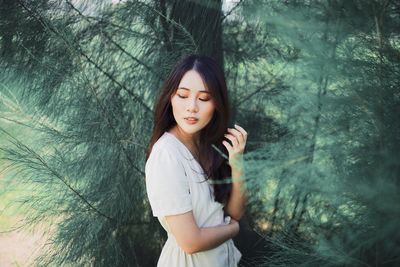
[214, 165]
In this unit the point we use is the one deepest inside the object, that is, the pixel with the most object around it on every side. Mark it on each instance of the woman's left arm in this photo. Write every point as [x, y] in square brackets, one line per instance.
[236, 204]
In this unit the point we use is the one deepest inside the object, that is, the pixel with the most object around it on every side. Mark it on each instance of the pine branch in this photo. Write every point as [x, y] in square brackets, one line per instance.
[260, 88]
[115, 131]
[173, 22]
[140, 62]
[36, 156]
[80, 51]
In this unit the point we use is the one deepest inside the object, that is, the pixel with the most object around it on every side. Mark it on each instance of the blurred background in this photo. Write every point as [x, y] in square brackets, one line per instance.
[315, 84]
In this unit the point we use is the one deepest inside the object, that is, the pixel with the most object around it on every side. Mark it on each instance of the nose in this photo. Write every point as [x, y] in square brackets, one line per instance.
[192, 106]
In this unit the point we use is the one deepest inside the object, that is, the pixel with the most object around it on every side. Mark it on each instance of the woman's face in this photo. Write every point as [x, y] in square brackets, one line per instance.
[192, 100]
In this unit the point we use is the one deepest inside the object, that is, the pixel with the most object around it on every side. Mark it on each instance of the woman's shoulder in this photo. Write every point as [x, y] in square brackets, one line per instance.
[165, 142]
[164, 156]
[165, 145]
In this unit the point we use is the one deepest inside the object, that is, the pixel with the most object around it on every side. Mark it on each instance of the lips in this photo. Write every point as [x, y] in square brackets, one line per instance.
[191, 120]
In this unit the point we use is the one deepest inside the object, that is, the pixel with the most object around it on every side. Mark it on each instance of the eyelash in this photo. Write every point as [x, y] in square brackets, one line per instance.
[204, 100]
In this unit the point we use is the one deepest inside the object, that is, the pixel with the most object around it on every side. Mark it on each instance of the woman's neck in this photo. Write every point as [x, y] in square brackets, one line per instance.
[189, 140]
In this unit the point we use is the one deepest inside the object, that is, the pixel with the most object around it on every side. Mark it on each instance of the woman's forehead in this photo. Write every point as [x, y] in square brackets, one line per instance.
[193, 82]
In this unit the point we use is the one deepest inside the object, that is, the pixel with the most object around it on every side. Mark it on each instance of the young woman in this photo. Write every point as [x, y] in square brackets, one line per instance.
[197, 194]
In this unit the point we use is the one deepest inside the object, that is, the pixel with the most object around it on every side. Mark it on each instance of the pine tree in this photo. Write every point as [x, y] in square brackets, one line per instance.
[89, 96]
[331, 197]
[314, 83]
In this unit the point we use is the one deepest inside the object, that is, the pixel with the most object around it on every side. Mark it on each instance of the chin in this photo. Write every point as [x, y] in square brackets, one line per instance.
[191, 130]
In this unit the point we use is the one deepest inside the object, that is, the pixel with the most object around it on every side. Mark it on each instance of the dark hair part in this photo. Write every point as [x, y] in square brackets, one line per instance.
[214, 165]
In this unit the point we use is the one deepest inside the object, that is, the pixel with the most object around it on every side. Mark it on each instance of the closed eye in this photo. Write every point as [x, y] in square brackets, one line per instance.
[201, 99]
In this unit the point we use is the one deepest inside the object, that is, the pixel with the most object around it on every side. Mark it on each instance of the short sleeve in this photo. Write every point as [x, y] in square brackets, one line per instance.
[166, 184]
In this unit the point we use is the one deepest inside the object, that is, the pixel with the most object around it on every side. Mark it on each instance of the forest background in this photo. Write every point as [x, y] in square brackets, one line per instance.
[315, 84]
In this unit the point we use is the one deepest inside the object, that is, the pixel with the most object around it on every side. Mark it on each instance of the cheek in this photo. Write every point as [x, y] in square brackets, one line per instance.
[175, 103]
[209, 110]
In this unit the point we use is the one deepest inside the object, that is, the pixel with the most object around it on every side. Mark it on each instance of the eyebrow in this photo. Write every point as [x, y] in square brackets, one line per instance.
[208, 92]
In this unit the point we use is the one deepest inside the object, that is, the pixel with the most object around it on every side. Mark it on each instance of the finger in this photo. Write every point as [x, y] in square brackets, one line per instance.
[232, 138]
[236, 133]
[228, 146]
[241, 130]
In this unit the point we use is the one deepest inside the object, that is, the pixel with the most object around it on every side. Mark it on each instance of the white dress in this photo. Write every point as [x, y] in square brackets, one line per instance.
[174, 186]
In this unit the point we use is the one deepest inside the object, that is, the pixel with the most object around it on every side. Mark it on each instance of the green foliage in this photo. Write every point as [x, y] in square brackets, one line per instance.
[330, 186]
[315, 84]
